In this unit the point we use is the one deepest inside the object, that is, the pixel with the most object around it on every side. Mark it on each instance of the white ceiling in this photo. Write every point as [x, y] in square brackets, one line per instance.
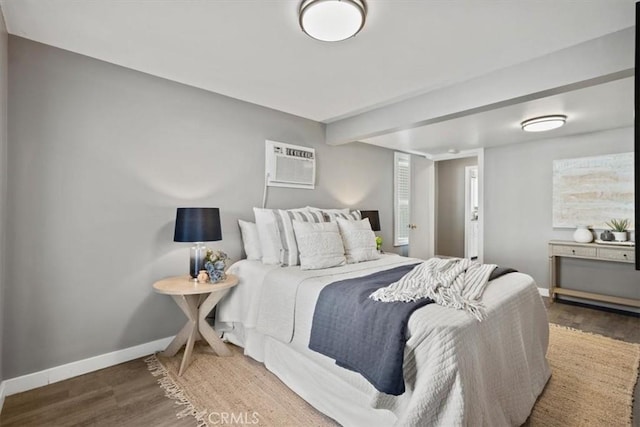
[594, 108]
[253, 50]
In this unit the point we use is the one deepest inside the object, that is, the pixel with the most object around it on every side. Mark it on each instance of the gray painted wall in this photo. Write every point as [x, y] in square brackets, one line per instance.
[450, 205]
[99, 158]
[4, 44]
[518, 203]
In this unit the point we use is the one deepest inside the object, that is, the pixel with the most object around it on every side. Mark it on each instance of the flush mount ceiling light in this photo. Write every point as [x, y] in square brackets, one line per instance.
[332, 20]
[541, 124]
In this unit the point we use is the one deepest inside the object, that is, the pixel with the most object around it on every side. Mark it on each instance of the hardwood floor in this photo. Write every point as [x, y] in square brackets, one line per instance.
[128, 395]
[125, 395]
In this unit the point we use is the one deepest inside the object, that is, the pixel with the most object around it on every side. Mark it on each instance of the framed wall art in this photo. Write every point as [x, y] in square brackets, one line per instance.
[593, 190]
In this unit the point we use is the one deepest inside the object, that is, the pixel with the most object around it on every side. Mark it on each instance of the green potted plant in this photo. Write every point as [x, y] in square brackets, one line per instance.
[619, 229]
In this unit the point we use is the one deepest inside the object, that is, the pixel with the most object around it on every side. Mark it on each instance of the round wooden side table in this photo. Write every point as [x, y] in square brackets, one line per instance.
[196, 300]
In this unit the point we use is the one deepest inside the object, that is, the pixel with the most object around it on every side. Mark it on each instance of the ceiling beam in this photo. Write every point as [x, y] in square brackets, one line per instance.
[594, 62]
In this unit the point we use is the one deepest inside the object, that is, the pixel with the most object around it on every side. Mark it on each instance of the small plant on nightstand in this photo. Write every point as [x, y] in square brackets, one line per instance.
[619, 228]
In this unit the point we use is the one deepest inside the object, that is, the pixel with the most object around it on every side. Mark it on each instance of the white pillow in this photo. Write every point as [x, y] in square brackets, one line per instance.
[250, 240]
[320, 245]
[270, 244]
[277, 238]
[287, 235]
[359, 240]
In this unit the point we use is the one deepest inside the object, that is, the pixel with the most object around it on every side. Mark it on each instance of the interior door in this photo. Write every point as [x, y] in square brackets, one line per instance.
[422, 203]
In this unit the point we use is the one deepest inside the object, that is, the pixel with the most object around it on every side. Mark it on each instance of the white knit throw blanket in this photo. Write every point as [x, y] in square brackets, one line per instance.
[452, 282]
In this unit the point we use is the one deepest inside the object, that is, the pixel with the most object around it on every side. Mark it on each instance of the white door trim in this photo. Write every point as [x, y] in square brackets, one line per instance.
[467, 208]
[479, 153]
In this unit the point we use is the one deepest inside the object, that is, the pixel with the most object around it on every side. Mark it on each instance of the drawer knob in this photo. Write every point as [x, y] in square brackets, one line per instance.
[625, 255]
[573, 251]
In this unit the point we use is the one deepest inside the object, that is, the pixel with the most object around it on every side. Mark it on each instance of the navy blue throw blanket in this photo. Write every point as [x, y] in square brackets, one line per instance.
[361, 334]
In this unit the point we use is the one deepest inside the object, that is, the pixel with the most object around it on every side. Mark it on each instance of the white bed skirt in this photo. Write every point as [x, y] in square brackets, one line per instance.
[322, 389]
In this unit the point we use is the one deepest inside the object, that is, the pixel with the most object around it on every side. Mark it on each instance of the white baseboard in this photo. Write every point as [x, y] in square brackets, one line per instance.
[544, 292]
[73, 369]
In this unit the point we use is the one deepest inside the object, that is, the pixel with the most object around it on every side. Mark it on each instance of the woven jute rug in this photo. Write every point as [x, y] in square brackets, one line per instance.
[234, 390]
[592, 381]
[592, 384]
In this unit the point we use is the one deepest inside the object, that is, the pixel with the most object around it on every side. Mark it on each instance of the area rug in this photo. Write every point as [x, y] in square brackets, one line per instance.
[234, 390]
[592, 384]
[592, 381]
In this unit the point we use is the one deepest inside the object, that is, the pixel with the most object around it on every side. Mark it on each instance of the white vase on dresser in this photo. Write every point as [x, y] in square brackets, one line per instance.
[582, 234]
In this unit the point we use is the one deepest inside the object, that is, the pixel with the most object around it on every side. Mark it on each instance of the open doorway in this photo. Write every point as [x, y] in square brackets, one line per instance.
[458, 224]
[471, 213]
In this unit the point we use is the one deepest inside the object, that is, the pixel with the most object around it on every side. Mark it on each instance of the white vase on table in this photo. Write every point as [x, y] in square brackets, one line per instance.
[582, 234]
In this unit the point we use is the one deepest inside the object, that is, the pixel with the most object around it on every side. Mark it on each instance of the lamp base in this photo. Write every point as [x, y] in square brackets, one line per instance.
[196, 259]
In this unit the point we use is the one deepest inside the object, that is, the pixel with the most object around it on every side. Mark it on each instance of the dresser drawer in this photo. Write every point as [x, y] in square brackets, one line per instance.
[573, 250]
[617, 254]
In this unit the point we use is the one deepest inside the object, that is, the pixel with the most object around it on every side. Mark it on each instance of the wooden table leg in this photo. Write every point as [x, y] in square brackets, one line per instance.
[206, 331]
[188, 333]
[553, 266]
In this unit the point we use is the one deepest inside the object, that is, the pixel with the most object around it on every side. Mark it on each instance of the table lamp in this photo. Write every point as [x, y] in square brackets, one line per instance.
[197, 225]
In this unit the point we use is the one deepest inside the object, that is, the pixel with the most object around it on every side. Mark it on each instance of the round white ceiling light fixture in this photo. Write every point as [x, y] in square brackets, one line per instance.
[544, 123]
[332, 20]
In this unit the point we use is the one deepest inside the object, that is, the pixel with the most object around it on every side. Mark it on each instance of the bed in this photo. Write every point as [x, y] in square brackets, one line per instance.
[457, 370]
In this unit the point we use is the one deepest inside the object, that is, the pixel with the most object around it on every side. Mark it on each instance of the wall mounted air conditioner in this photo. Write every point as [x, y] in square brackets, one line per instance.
[289, 165]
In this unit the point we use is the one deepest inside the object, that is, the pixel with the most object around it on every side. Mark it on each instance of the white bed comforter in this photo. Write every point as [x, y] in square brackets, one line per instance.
[458, 371]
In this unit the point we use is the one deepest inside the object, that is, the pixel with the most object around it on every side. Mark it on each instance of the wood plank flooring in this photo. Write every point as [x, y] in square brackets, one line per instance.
[128, 395]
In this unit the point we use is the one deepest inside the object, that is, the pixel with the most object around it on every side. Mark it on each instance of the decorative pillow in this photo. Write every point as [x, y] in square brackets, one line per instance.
[344, 211]
[270, 243]
[250, 240]
[284, 220]
[332, 214]
[350, 216]
[277, 238]
[358, 239]
[320, 245]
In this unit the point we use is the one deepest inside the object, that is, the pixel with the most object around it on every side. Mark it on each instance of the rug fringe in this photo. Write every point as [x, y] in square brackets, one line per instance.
[174, 391]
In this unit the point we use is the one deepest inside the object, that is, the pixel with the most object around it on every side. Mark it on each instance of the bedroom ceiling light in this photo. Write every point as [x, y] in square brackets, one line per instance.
[332, 20]
[544, 123]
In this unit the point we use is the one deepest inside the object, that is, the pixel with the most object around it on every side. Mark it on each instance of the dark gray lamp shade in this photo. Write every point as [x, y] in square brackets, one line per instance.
[374, 219]
[197, 225]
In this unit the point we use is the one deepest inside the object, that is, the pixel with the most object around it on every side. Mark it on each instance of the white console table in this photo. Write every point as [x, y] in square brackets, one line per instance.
[594, 251]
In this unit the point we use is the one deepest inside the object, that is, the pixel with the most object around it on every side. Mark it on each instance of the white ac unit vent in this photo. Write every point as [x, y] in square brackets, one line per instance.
[289, 165]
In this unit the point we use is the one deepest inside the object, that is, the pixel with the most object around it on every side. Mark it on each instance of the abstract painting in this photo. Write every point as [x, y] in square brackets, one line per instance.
[592, 190]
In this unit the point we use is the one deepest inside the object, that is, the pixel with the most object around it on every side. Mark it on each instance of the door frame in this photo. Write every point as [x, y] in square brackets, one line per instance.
[479, 153]
[467, 209]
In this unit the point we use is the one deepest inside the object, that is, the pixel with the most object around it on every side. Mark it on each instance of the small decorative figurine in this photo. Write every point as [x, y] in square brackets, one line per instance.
[607, 236]
[203, 276]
